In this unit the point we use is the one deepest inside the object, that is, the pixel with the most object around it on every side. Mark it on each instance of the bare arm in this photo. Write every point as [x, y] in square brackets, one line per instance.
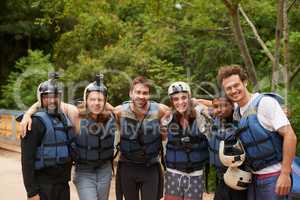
[205, 102]
[26, 121]
[164, 114]
[163, 110]
[70, 110]
[73, 114]
[283, 185]
[117, 112]
[109, 107]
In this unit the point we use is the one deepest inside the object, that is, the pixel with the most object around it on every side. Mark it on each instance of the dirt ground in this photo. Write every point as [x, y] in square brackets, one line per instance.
[11, 183]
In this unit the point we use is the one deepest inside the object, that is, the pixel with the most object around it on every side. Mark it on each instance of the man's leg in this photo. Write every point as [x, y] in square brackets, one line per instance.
[46, 192]
[236, 194]
[62, 191]
[129, 186]
[221, 192]
[149, 179]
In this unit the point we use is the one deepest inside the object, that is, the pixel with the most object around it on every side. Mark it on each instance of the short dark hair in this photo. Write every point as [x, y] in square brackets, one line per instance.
[140, 80]
[229, 70]
[222, 98]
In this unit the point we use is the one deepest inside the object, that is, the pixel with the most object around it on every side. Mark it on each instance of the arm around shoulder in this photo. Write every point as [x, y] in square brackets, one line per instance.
[164, 110]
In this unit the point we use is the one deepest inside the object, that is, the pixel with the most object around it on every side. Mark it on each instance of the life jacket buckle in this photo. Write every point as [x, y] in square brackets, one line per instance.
[186, 139]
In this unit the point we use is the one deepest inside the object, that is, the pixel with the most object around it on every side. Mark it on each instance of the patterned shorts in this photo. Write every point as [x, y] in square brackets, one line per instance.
[183, 186]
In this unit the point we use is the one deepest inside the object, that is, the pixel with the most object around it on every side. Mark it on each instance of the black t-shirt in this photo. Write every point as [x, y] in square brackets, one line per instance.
[33, 178]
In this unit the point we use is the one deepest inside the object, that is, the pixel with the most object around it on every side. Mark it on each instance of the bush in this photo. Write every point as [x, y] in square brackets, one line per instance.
[20, 92]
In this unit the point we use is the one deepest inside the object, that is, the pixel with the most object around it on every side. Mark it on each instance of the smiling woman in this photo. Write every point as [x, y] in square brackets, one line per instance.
[187, 147]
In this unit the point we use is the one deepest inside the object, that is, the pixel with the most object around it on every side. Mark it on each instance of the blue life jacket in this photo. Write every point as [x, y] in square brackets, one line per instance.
[295, 191]
[140, 140]
[55, 146]
[221, 130]
[263, 147]
[95, 143]
[187, 149]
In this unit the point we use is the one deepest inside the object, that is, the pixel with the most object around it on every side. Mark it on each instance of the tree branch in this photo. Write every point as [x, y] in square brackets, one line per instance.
[292, 4]
[243, 47]
[294, 73]
[260, 41]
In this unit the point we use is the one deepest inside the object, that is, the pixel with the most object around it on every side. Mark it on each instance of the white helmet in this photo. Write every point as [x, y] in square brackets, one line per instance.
[232, 155]
[237, 179]
[179, 87]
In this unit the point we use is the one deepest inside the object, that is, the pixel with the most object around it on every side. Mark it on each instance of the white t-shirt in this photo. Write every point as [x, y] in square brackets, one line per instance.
[271, 116]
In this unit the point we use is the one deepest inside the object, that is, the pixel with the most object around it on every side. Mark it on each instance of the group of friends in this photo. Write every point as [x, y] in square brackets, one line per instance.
[246, 136]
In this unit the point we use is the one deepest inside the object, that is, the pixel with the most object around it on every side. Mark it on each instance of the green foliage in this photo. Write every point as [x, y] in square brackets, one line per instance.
[294, 109]
[20, 91]
[294, 46]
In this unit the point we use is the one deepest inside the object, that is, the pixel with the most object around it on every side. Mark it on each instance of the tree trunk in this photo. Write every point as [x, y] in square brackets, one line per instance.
[286, 45]
[278, 33]
[241, 41]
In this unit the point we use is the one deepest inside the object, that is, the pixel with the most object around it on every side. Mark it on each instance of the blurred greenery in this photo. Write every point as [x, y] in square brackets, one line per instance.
[132, 37]
[32, 70]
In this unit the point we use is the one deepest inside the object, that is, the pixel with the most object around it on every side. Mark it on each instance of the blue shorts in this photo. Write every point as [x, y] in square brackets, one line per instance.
[183, 186]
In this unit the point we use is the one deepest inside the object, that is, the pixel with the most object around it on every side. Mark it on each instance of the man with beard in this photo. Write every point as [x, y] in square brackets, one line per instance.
[139, 172]
[46, 160]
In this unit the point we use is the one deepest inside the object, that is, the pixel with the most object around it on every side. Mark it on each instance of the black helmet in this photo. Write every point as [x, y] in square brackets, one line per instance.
[50, 86]
[97, 86]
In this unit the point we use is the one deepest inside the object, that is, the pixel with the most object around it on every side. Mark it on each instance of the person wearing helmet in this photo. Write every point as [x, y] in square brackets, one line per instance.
[139, 170]
[94, 144]
[45, 151]
[139, 174]
[223, 129]
[187, 146]
[267, 137]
